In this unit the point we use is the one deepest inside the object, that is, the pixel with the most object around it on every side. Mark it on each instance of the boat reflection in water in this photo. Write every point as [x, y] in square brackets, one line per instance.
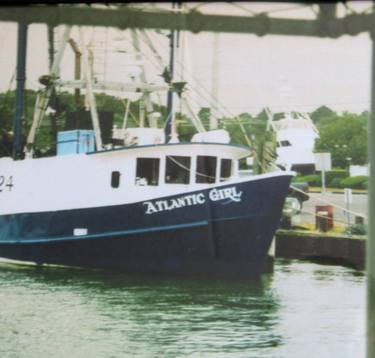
[301, 307]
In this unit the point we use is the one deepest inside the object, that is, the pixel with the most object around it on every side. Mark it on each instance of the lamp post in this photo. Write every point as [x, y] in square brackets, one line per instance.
[349, 160]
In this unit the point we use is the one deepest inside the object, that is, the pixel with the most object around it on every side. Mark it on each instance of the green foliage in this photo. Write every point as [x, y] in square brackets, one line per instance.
[323, 116]
[312, 180]
[63, 103]
[334, 183]
[356, 229]
[357, 182]
[345, 137]
[334, 177]
[204, 115]
[335, 173]
[185, 128]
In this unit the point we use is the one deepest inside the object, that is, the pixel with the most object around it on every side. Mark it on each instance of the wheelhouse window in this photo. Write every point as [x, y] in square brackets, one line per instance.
[206, 169]
[147, 171]
[177, 170]
[225, 169]
[115, 179]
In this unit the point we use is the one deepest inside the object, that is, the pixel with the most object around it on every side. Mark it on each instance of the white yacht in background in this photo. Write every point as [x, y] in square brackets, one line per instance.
[296, 135]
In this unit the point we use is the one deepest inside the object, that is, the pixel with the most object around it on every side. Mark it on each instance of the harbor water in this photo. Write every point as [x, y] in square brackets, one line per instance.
[302, 310]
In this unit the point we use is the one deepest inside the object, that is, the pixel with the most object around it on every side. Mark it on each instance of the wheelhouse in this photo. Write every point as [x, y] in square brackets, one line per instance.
[176, 165]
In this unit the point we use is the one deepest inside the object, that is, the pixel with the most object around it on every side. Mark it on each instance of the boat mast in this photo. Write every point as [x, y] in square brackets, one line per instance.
[145, 100]
[215, 83]
[77, 70]
[90, 93]
[194, 118]
[43, 98]
[53, 100]
[21, 78]
[170, 130]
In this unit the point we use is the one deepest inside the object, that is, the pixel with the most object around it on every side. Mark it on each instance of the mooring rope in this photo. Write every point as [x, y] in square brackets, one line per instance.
[324, 217]
[332, 204]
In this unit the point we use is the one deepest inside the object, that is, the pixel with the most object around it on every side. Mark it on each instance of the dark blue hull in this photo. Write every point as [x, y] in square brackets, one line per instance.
[213, 235]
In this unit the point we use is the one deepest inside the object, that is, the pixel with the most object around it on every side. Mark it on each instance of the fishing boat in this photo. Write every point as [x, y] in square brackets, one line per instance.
[151, 205]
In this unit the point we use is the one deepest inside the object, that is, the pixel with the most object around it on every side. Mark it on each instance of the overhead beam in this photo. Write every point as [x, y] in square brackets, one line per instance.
[125, 17]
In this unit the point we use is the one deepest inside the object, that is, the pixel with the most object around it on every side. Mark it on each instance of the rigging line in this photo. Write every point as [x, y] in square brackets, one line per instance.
[163, 47]
[166, 50]
[341, 208]
[129, 110]
[314, 10]
[267, 12]
[210, 101]
[243, 8]
[12, 79]
[151, 7]
[329, 202]
[152, 61]
[298, 7]
[189, 170]
[244, 133]
[134, 118]
[223, 110]
[198, 6]
[323, 216]
[348, 8]
[131, 51]
[367, 10]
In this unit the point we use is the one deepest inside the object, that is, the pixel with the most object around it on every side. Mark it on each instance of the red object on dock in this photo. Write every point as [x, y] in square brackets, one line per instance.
[324, 217]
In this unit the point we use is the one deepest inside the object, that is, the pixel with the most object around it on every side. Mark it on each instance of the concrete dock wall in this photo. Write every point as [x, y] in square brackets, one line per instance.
[321, 246]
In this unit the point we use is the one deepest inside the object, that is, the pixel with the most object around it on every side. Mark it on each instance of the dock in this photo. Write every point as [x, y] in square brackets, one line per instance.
[321, 246]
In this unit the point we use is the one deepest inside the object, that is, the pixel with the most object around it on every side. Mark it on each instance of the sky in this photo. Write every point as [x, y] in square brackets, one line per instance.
[253, 71]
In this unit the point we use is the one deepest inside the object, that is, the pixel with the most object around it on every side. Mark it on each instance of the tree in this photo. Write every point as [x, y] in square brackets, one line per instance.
[204, 115]
[322, 116]
[344, 137]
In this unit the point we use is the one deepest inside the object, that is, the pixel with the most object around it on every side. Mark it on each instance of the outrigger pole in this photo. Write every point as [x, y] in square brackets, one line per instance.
[43, 98]
[21, 78]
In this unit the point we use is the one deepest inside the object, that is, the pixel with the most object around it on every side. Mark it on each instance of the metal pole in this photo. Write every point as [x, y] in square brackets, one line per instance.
[215, 82]
[43, 99]
[169, 126]
[53, 100]
[51, 46]
[77, 69]
[21, 78]
[348, 212]
[145, 100]
[370, 252]
[90, 93]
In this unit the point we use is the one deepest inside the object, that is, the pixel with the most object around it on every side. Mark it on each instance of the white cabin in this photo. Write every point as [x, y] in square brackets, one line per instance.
[114, 177]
